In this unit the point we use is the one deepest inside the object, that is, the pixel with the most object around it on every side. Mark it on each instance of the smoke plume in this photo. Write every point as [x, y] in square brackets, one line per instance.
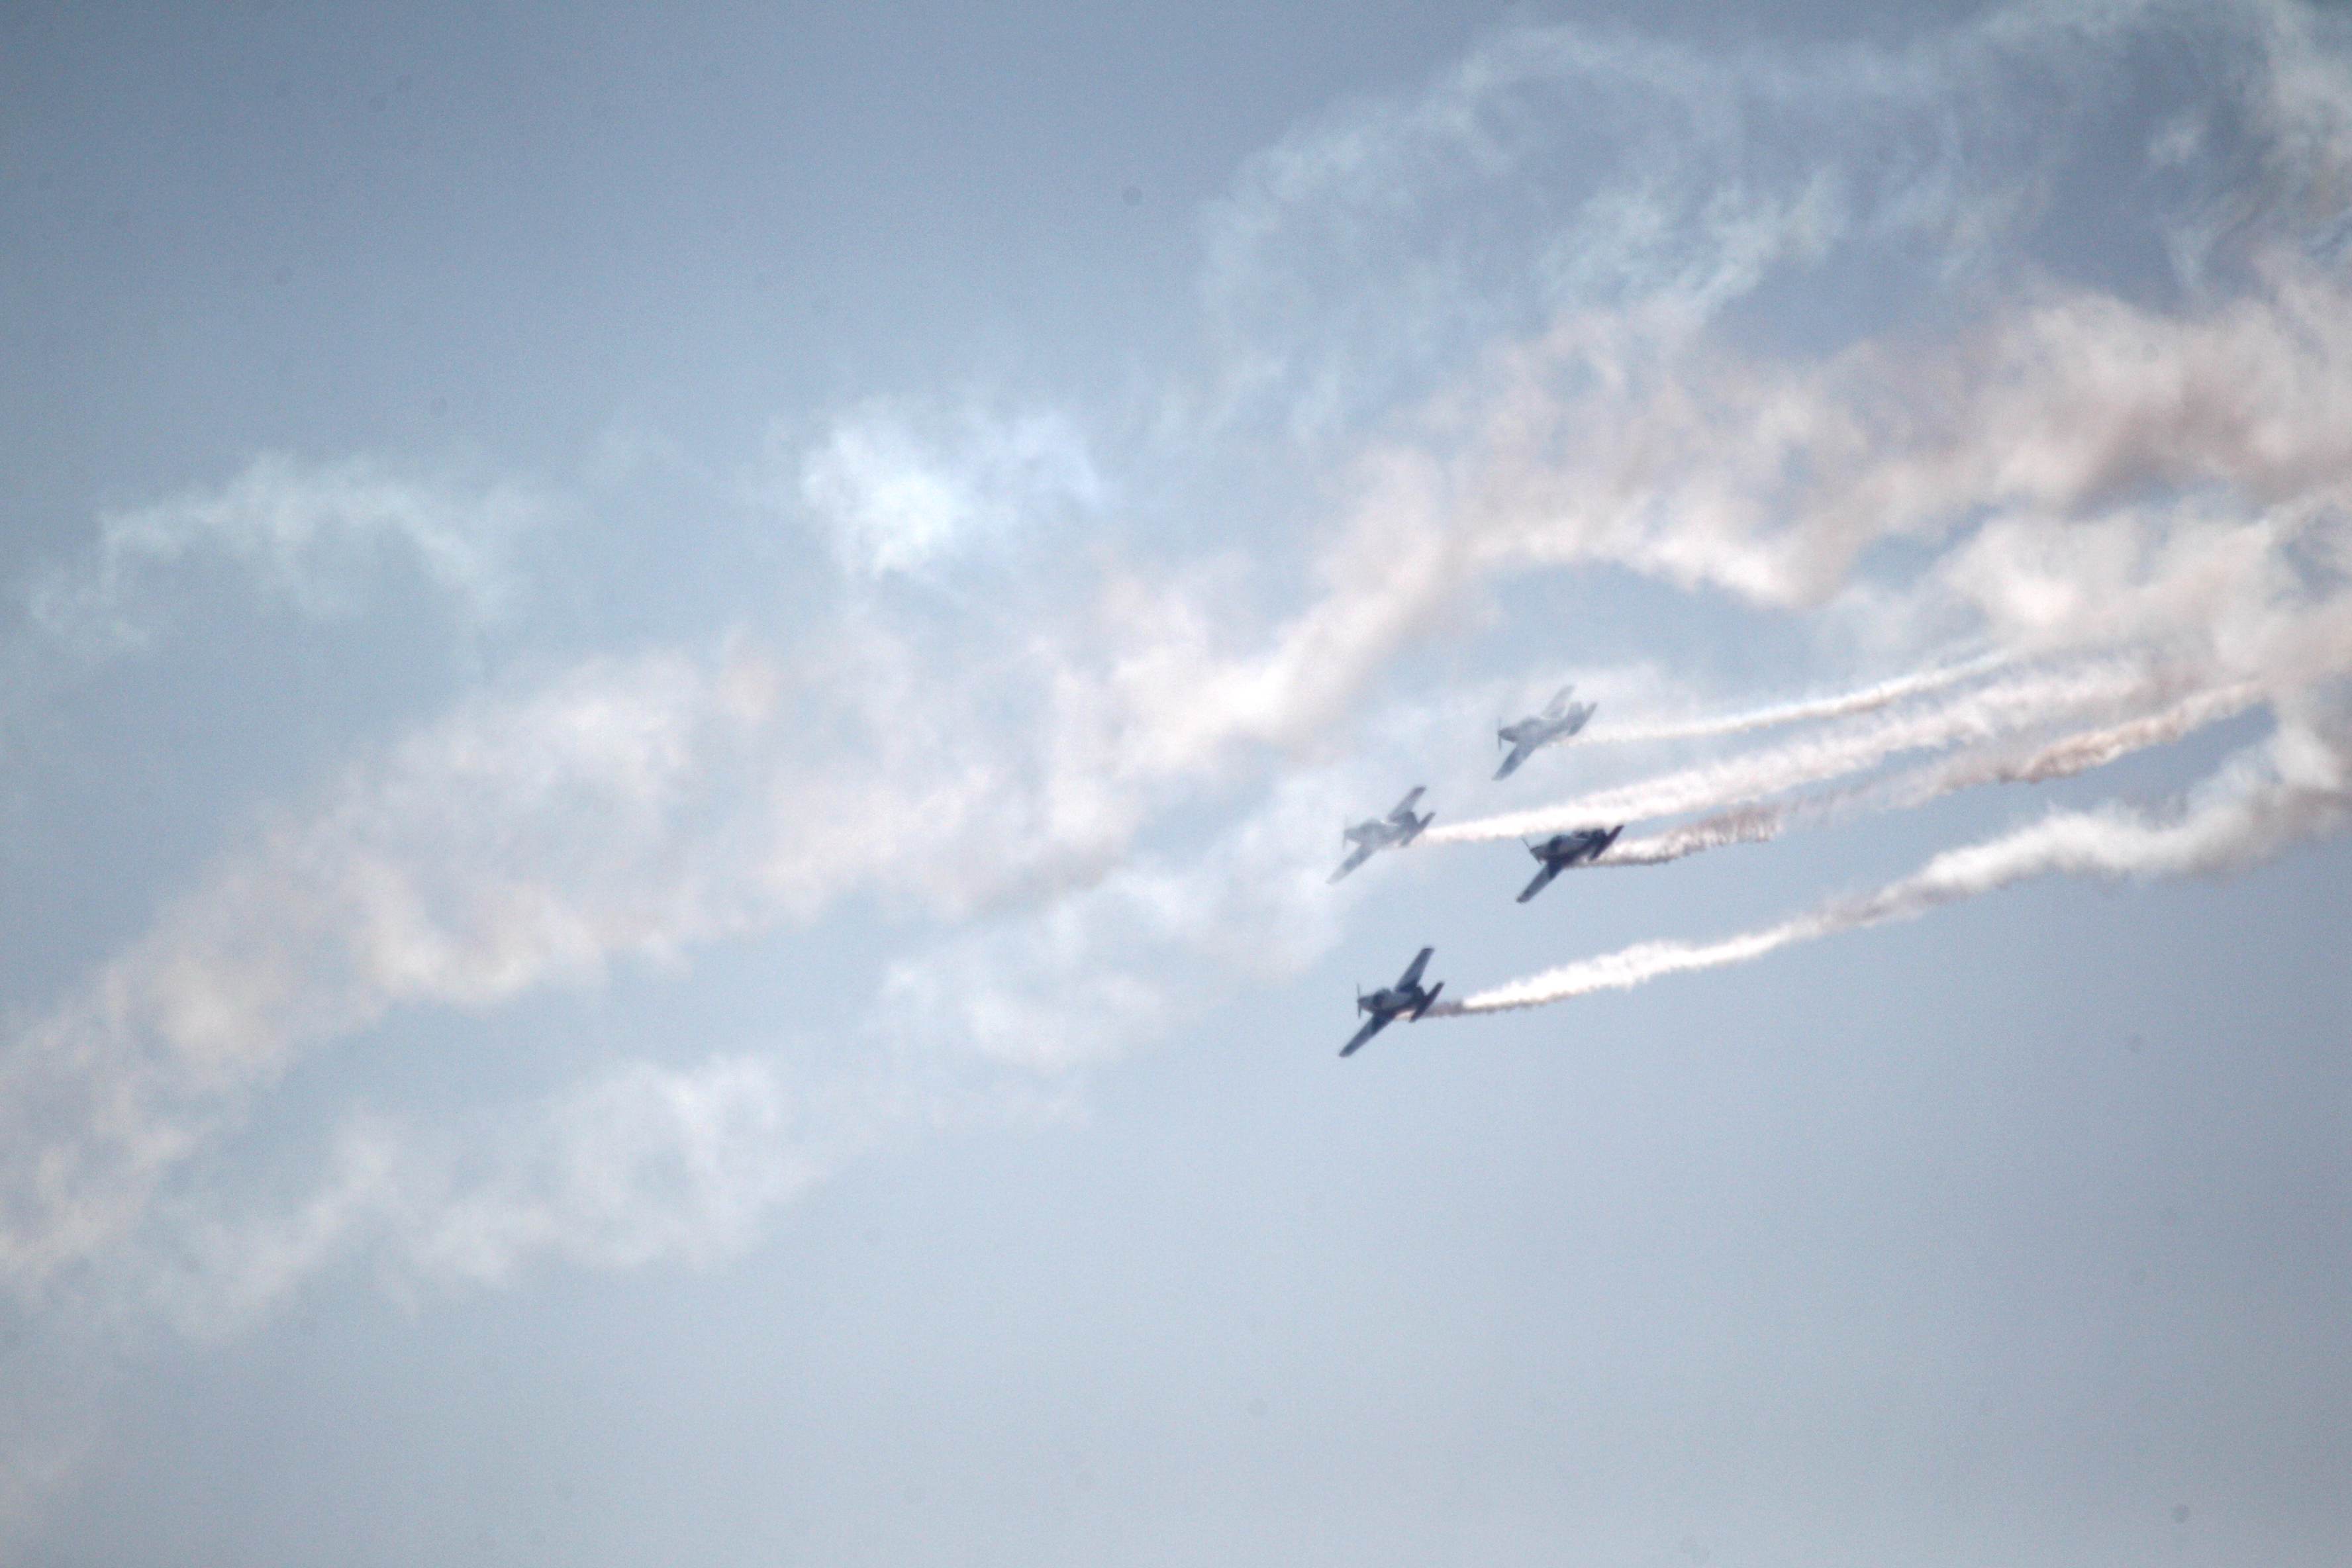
[1986, 714]
[2294, 788]
[2063, 758]
[1843, 705]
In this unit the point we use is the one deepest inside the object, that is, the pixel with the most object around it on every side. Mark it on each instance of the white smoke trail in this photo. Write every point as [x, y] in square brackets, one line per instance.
[1743, 824]
[2296, 789]
[1845, 705]
[2060, 759]
[2094, 749]
[1978, 716]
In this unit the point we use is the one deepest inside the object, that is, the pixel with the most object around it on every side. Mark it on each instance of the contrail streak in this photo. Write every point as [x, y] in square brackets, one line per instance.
[2060, 759]
[2097, 748]
[1744, 825]
[2247, 813]
[1983, 715]
[1845, 705]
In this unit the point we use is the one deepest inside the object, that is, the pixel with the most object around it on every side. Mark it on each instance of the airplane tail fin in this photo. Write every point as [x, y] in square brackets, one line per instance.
[1426, 1001]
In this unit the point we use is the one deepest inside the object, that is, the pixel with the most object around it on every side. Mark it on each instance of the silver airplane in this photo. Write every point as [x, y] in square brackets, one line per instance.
[1406, 997]
[1400, 827]
[1559, 719]
[1562, 851]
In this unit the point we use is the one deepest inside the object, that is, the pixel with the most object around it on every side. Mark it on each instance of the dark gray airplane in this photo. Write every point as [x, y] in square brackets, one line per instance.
[1406, 997]
[1562, 851]
[1400, 827]
[1559, 719]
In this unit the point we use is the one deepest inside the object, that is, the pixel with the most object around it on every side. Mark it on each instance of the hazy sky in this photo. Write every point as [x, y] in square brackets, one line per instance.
[679, 686]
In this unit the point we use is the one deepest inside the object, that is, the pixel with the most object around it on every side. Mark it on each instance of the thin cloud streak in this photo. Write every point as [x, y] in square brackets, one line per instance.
[315, 536]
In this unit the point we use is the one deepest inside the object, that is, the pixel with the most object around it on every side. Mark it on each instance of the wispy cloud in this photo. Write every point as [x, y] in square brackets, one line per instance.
[1561, 170]
[644, 1165]
[894, 491]
[316, 536]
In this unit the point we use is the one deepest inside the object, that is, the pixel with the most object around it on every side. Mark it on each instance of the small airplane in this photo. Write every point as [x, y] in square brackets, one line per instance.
[1559, 719]
[1406, 997]
[1562, 851]
[1400, 827]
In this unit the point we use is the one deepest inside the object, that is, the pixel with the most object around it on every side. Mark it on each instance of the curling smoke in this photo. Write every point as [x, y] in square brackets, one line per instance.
[2296, 788]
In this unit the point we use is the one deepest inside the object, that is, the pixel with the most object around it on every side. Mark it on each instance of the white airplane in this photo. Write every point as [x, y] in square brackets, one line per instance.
[1400, 827]
[1559, 719]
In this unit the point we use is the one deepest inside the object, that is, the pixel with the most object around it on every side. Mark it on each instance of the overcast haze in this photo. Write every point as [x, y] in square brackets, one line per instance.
[680, 686]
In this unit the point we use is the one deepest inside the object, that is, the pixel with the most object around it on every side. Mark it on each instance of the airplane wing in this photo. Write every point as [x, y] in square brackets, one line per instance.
[1405, 807]
[1356, 857]
[1559, 703]
[1511, 764]
[1543, 880]
[1378, 1022]
[1411, 976]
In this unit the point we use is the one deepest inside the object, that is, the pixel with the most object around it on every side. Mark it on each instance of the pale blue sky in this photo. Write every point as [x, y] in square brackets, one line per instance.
[678, 689]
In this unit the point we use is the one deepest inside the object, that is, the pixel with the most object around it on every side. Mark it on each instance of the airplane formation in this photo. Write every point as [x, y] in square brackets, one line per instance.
[1408, 998]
